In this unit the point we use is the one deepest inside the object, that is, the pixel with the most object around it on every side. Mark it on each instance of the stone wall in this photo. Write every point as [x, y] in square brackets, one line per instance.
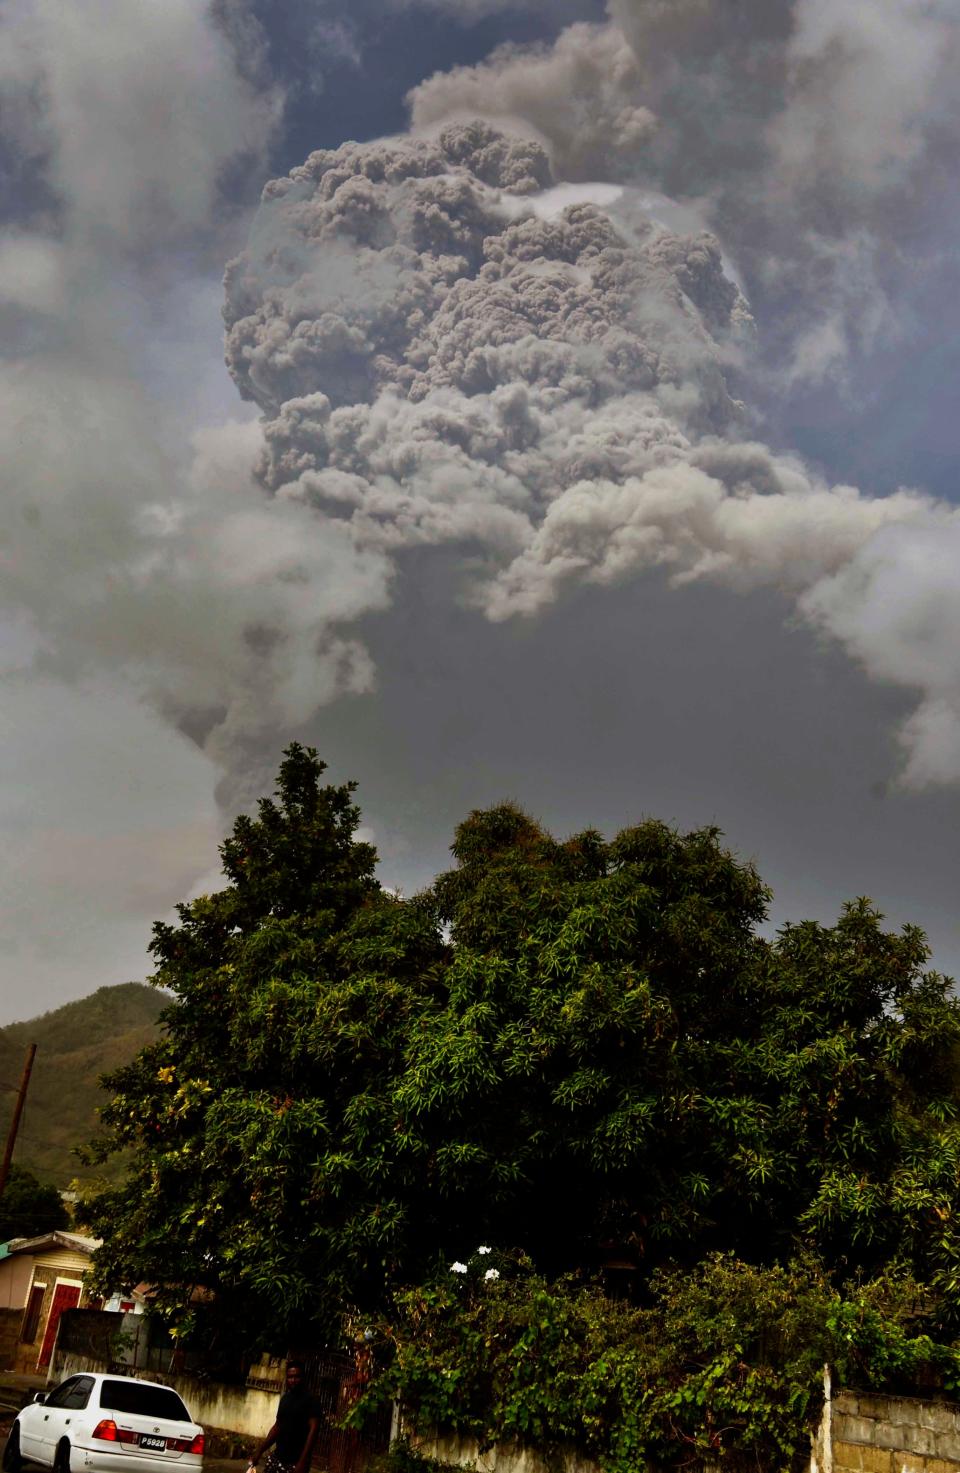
[10, 1322]
[893, 1434]
[859, 1433]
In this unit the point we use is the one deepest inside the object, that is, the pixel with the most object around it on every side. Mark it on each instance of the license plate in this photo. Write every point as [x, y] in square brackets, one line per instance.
[159, 1444]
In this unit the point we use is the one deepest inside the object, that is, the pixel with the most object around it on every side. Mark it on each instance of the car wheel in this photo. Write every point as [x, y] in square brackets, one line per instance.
[12, 1461]
[61, 1463]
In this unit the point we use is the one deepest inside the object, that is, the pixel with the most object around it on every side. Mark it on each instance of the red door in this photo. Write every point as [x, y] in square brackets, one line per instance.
[65, 1296]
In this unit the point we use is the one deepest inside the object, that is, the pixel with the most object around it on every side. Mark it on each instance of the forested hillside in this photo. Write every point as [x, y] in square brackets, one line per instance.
[76, 1044]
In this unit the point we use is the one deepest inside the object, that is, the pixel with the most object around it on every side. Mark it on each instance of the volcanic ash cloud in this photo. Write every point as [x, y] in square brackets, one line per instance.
[451, 349]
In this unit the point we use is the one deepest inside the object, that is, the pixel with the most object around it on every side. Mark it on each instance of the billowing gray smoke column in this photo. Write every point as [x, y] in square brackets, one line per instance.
[446, 347]
[416, 267]
[451, 349]
[818, 137]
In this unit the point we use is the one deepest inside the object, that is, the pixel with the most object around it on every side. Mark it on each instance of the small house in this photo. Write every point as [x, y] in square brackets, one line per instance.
[39, 1279]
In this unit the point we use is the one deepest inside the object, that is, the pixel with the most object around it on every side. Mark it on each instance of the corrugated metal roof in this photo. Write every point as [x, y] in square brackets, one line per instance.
[74, 1241]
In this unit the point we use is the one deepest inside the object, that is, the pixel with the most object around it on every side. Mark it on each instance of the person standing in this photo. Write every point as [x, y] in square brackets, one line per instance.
[295, 1429]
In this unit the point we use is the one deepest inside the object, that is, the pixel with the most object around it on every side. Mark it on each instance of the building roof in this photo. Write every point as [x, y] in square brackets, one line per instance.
[74, 1242]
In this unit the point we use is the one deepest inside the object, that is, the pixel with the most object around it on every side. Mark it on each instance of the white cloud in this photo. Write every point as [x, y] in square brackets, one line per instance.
[171, 574]
[145, 575]
[133, 108]
[31, 273]
[895, 606]
[98, 841]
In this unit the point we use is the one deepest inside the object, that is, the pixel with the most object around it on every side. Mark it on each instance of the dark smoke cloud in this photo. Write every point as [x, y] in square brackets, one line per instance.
[819, 138]
[451, 350]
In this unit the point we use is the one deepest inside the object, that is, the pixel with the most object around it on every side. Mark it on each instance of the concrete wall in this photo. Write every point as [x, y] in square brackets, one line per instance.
[267, 1373]
[859, 1433]
[503, 1458]
[893, 1434]
[240, 1409]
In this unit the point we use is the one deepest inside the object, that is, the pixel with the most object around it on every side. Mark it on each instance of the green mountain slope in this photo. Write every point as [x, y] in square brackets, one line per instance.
[75, 1045]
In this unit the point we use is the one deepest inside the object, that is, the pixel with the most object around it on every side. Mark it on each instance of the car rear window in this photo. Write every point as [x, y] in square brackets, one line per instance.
[142, 1401]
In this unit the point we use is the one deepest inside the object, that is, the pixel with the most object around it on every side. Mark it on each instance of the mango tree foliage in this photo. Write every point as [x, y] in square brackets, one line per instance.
[261, 1122]
[581, 1050]
[622, 1053]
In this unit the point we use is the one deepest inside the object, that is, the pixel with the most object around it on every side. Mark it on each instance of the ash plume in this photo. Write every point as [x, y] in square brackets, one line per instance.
[818, 140]
[451, 349]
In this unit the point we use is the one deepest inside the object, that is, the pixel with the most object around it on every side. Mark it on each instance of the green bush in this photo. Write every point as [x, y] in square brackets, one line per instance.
[402, 1458]
[724, 1363]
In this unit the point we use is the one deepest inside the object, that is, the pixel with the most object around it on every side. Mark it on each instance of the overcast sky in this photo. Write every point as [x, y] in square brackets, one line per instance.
[601, 456]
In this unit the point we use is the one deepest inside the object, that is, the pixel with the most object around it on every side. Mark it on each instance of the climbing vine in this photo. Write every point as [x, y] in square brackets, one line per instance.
[722, 1364]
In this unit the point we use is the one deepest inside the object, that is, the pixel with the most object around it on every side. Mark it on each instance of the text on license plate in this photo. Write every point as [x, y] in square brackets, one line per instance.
[159, 1443]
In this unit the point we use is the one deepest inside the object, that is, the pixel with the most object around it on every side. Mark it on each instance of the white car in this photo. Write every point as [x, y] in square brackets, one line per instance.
[106, 1424]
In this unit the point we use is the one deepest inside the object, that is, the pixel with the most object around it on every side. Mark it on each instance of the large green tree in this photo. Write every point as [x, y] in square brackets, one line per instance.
[29, 1207]
[584, 1050]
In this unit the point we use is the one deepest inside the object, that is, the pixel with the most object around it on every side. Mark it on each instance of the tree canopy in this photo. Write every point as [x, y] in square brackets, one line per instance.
[581, 1050]
[29, 1208]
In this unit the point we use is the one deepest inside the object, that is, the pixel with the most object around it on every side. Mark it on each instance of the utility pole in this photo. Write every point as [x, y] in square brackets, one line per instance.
[17, 1112]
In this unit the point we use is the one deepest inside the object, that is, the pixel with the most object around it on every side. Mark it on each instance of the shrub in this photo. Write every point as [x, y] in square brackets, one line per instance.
[723, 1363]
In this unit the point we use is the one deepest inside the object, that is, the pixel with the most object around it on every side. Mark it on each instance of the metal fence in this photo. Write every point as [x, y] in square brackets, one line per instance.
[336, 1378]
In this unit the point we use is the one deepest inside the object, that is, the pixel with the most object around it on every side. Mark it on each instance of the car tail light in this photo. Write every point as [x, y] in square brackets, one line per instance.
[185, 1445]
[108, 1431]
